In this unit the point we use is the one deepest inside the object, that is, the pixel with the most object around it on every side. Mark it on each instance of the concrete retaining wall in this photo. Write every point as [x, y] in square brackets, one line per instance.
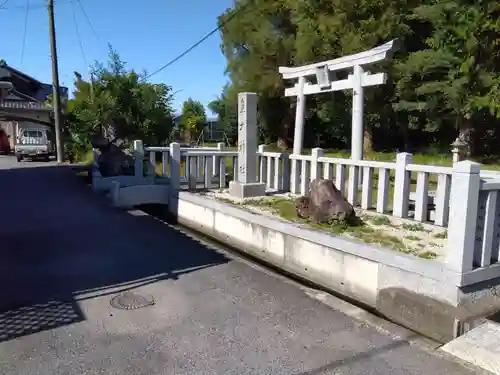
[421, 294]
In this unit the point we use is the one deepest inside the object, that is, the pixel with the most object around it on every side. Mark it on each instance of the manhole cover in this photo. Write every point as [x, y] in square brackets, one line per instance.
[131, 301]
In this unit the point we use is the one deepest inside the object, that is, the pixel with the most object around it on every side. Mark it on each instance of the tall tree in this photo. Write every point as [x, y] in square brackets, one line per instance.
[225, 106]
[259, 39]
[193, 119]
[454, 79]
[119, 103]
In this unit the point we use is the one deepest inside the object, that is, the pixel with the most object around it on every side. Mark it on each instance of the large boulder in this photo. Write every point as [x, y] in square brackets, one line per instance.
[323, 203]
[113, 160]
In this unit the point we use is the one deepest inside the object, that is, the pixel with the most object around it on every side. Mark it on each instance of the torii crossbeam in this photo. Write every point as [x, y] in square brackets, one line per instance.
[320, 77]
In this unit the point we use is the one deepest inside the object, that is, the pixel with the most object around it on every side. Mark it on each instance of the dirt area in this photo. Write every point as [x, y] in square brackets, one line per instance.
[406, 236]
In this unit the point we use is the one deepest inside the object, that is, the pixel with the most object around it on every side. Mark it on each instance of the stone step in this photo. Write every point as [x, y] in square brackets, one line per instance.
[479, 347]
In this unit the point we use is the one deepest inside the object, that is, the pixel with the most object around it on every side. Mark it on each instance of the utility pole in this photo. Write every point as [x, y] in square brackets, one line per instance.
[93, 97]
[56, 100]
[92, 85]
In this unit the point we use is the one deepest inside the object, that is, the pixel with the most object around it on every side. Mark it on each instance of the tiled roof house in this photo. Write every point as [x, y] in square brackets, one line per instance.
[26, 103]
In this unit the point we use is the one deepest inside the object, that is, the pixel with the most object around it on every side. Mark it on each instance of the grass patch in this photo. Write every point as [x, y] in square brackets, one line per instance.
[441, 235]
[226, 201]
[83, 174]
[362, 228]
[414, 227]
[413, 238]
[382, 239]
[357, 228]
[82, 157]
[87, 158]
[286, 210]
[380, 220]
[427, 255]
[283, 207]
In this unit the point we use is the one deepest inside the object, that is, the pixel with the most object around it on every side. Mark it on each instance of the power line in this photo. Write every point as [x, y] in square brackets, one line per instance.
[222, 24]
[88, 20]
[25, 29]
[79, 37]
[32, 6]
[23, 7]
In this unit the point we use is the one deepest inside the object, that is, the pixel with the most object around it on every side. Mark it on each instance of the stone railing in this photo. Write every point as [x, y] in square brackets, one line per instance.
[208, 168]
[273, 169]
[203, 167]
[392, 191]
[197, 164]
[474, 227]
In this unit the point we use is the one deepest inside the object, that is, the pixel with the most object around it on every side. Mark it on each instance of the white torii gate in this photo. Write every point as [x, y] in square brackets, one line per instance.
[324, 73]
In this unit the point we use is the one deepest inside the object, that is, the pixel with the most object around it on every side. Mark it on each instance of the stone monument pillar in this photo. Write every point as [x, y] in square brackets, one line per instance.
[246, 185]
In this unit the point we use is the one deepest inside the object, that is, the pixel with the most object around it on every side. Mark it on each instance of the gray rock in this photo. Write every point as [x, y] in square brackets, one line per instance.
[323, 203]
[114, 159]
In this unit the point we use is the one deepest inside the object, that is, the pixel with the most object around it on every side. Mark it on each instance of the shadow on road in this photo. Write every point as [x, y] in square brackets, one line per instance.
[356, 358]
[60, 243]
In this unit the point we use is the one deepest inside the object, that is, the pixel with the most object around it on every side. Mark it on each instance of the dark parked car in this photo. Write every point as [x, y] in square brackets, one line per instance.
[4, 142]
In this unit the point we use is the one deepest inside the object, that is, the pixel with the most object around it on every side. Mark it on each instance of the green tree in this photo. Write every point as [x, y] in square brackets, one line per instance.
[259, 39]
[225, 106]
[454, 79]
[118, 103]
[193, 119]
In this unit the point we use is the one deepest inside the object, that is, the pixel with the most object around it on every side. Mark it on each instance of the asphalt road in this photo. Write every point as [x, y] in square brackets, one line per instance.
[65, 253]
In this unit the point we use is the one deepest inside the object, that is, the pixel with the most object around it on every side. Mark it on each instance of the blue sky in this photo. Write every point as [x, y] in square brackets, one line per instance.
[146, 33]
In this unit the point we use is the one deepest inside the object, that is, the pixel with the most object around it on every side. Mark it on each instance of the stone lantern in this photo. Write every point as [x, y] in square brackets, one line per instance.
[459, 150]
